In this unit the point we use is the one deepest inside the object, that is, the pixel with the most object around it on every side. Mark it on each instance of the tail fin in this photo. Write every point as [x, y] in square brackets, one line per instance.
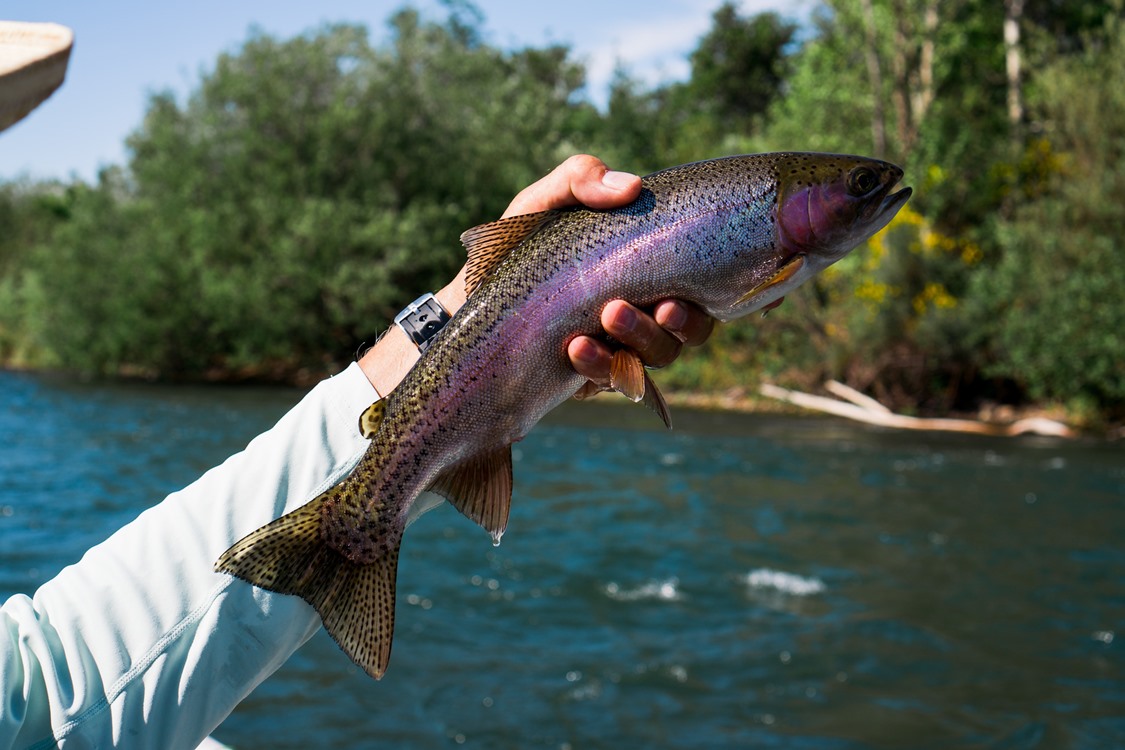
[356, 603]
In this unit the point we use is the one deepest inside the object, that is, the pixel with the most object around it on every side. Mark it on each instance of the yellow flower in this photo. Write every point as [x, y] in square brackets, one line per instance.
[936, 295]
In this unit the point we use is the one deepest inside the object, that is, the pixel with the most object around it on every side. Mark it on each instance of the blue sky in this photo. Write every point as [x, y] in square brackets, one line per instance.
[126, 49]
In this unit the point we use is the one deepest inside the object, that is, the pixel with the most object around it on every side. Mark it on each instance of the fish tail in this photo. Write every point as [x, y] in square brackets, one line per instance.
[356, 602]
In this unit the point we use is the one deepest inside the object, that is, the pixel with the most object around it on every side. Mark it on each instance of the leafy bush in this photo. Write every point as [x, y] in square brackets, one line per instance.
[1059, 325]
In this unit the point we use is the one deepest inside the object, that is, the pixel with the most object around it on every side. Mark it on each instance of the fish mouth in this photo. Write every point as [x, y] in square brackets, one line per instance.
[881, 211]
[893, 201]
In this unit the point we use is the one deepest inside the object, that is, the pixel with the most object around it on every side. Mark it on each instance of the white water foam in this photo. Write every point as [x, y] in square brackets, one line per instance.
[667, 590]
[786, 583]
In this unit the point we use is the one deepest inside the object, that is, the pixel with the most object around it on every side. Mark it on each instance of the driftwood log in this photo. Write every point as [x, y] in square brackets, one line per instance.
[862, 408]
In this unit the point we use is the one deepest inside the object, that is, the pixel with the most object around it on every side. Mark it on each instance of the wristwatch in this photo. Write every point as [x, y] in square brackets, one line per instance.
[422, 319]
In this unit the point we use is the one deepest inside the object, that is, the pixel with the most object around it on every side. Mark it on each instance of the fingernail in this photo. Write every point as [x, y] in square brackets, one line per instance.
[587, 352]
[672, 317]
[675, 318]
[625, 319]
[618, 180]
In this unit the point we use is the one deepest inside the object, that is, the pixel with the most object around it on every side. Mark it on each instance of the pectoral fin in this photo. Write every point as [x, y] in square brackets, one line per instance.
[628, 376]
[781, 275]
[489, 244]
[481, 488]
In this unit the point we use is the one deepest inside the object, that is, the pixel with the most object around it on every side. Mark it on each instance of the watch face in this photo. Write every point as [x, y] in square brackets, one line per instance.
[422, 319]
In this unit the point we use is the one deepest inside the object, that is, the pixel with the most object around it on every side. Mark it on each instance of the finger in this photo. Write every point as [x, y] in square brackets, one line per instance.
[685, 321]
[591, 359]
[580, 180]
[637, 330]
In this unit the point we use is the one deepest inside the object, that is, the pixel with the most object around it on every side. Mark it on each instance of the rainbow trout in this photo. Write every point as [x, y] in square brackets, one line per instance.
[731, 235]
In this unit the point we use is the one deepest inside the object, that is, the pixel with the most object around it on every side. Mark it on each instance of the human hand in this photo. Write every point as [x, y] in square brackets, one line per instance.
[658, 336]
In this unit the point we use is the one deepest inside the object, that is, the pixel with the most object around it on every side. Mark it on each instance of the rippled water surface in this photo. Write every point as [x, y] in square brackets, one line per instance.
[742, 581]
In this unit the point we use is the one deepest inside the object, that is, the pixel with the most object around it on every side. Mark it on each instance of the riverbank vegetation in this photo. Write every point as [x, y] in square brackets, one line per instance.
[307, 188]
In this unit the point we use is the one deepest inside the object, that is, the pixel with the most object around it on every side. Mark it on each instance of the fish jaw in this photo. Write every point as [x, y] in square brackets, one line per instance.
[827, 205]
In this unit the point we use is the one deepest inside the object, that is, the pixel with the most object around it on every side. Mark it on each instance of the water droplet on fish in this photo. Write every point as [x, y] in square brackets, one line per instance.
[496, 537]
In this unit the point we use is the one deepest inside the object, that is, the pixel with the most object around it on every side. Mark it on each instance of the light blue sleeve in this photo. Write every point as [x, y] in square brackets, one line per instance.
[141, 644]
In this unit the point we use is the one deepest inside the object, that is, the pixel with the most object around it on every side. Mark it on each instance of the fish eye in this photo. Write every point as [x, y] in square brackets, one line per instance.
[862, 180]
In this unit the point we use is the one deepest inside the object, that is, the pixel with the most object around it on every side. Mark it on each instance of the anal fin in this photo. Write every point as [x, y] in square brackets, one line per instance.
[481, 488]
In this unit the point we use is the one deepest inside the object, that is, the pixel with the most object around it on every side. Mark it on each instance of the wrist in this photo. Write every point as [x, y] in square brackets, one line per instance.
[387, 362]
[452, 295]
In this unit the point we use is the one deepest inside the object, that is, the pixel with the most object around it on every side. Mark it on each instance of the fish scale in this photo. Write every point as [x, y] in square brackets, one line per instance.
[729, 235]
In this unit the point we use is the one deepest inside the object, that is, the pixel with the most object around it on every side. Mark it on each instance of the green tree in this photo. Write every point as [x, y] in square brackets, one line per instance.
[299, 197]
[737, 69]
[29, 215]
[1053, 297]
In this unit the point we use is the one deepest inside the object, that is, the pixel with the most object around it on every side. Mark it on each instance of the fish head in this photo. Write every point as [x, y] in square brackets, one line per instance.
[827, 204]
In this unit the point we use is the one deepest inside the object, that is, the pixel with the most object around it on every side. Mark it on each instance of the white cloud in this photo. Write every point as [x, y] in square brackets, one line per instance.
[654, 52]
[654, 48]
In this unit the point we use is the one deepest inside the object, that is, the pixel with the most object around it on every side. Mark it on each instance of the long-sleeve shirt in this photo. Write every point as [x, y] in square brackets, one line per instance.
[141, 644]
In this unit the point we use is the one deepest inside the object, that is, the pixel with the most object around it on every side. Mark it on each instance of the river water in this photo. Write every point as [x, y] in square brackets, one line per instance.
[742, 581]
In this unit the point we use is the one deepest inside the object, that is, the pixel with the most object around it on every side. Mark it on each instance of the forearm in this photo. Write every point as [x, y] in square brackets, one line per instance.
[141, 643]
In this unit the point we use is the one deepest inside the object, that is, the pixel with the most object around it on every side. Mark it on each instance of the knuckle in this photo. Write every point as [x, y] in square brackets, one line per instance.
[664, 355]
[581, 162]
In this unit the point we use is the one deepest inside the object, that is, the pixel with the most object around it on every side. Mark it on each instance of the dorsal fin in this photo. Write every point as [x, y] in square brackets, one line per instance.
[488, 244]
[371, 418]
[481, 488]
